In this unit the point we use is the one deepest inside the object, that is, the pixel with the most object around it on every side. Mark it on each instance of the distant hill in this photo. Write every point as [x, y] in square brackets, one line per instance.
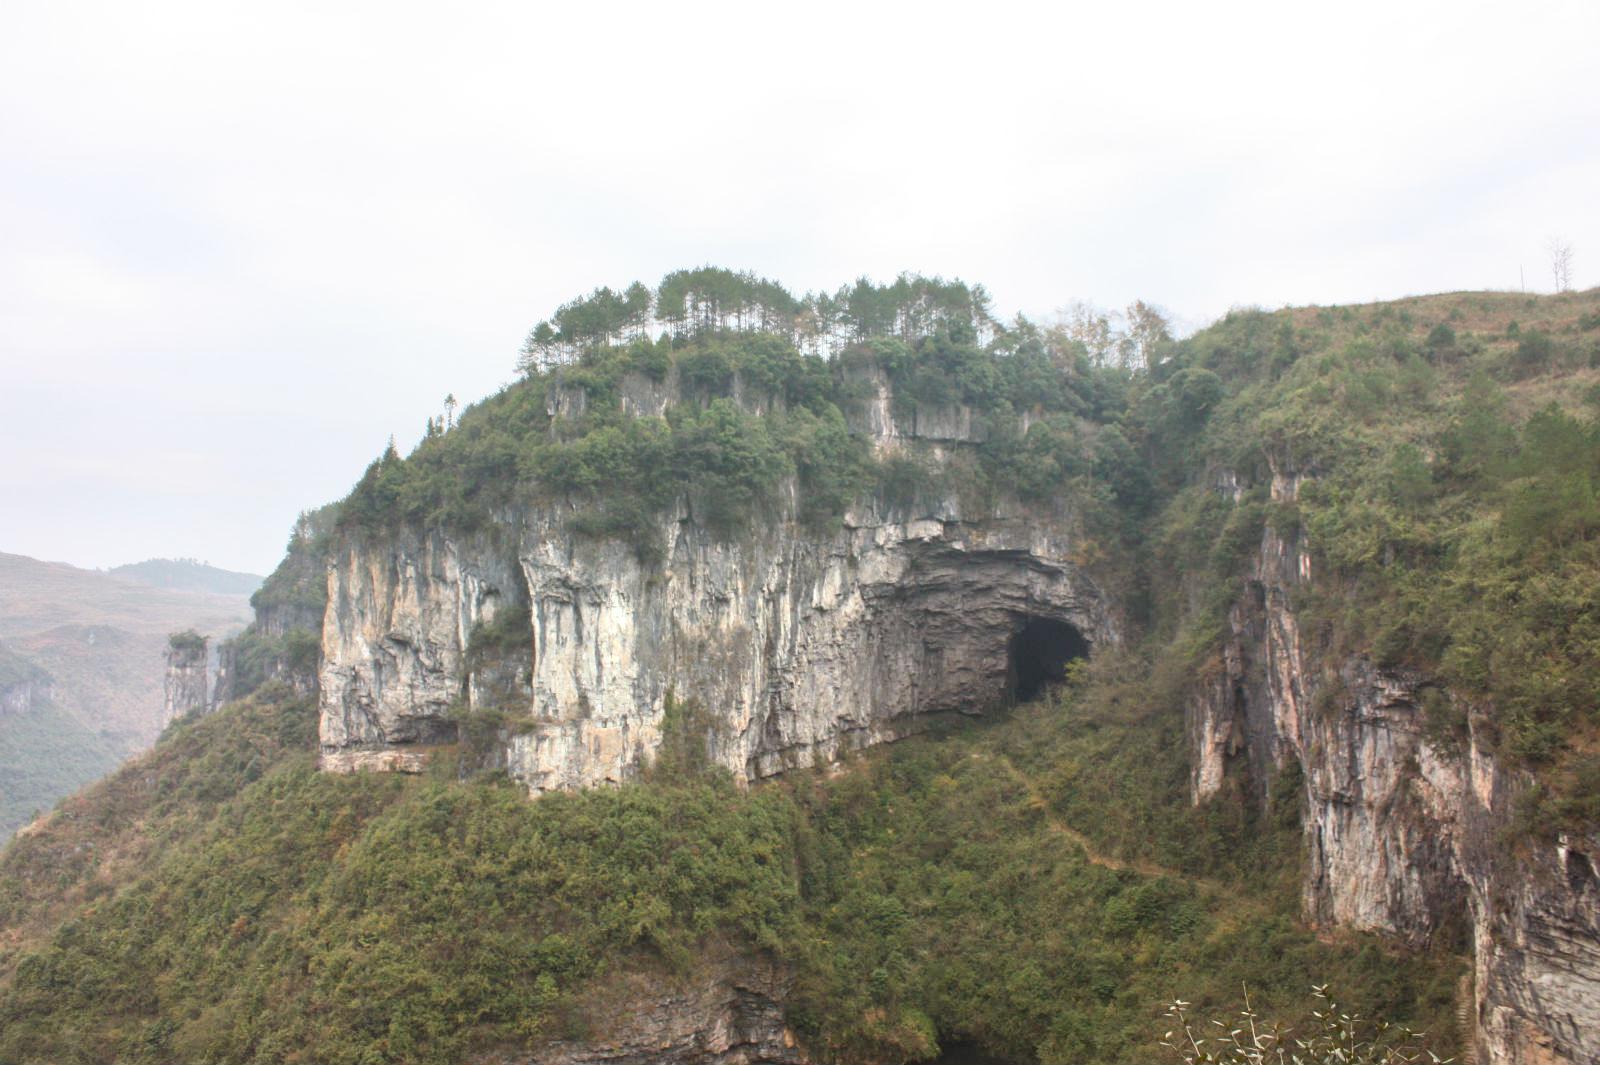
[44, 751]
[83, 662]
[187, 574]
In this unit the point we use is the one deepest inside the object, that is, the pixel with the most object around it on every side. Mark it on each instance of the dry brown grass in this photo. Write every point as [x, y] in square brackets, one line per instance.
[1471, 312]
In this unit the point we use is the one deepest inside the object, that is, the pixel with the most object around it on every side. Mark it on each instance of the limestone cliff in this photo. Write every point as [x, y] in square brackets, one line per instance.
[799, 644]
[730, 1012]
[1407, 833]
[23, 685]
[185, 685]
[282, 642]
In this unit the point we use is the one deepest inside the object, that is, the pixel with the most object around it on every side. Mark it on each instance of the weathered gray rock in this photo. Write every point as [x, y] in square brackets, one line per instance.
[1403, 836]
[800, 646]
[185, 683]
[729, 1014]
[23, 686]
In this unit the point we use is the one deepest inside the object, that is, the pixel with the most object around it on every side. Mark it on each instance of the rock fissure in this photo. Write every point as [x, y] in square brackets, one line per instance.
[1403, 838]
[803, 645]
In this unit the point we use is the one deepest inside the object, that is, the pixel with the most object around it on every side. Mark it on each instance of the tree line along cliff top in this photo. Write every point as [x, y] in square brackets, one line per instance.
[1447, 444]
[1039, 884]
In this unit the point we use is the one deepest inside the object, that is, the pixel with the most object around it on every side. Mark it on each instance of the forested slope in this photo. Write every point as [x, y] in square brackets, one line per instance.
[1040, 882]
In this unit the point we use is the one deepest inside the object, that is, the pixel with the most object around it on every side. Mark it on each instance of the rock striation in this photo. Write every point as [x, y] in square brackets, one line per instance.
[1407, 832]
[185, 685]
[798, 645]
[23, 685]
[730, 1013]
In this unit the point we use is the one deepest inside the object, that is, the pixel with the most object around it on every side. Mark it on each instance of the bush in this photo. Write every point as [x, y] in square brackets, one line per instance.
[1534, 351]
[1441, 338]
[186, 641]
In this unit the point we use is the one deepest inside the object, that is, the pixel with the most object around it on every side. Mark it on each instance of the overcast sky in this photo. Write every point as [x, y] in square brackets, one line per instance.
[242, 244]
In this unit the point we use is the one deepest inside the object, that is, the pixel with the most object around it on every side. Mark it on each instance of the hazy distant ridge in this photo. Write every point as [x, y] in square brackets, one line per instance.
[187, 574]
[94, 642]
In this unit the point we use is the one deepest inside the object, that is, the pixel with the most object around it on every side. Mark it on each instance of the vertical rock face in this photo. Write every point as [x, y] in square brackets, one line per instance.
[185, 686]
[396, 640]
[1405, 835]
[22, 686]
[730, 1014]
[796, 645]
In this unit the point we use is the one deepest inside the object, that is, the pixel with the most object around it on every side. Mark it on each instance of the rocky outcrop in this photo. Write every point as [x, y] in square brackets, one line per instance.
[798, 645]
[396, 640]
[1408, 832]
[731, 1013]
[281, 644]
[23, 685]
[187, 658]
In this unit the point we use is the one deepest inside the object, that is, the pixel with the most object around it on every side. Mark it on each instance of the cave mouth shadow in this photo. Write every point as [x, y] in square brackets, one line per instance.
[963, 1051]
[1039, 654]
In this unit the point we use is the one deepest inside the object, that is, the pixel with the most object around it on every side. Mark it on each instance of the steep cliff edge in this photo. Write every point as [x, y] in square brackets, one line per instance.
[23, 685]
[281, 643]
[600, 600]
[1337, 567]
[800, 643]
[730, 1011]
[1407, 832]
[186, 686]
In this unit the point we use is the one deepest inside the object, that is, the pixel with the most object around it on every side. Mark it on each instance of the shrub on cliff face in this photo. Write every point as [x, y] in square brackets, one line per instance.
[186, 642]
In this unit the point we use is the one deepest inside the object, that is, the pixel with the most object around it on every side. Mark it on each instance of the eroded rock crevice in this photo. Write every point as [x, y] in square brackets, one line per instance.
[1040, 653]
[1406, 835]
[798, 647]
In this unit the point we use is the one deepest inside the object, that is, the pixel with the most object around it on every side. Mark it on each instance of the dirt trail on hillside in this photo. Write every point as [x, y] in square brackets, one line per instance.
[1061, 828]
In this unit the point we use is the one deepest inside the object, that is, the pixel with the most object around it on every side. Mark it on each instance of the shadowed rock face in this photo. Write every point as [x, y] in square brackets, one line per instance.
[731, 1014]
[800, 647]
[185, 683]
[1041, 650]
[1403, 837]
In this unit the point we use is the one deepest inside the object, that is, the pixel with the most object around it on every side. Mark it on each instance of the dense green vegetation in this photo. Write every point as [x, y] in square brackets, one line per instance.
[188, 641]
[752, 415]
[43, 750]
[1039, 884]
[1449, 503]
[625, 471]
[934, 891]
[1448, 447]
[94, 841]
[710, 301]
[297, 590]
[285, 641]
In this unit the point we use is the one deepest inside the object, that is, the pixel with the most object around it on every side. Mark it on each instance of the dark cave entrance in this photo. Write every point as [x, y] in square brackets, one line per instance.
[964, 1052]
[1040, 652]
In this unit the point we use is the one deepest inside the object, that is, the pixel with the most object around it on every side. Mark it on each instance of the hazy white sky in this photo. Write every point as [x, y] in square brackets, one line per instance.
[241, 244]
